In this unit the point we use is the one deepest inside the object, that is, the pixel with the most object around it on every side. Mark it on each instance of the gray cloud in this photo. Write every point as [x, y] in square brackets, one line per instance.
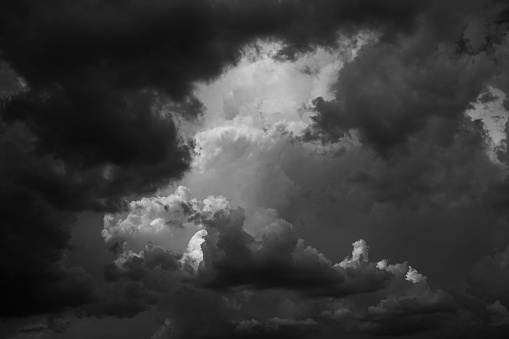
[392, 89]
[92, 94]
[97, 73]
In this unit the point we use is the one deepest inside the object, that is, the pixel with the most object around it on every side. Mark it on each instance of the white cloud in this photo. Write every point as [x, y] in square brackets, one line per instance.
[359, 255]
[193, 255]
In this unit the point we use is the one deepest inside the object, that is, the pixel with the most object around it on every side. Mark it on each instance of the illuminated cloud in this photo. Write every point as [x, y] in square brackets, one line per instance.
[160, 220]
[265, 254]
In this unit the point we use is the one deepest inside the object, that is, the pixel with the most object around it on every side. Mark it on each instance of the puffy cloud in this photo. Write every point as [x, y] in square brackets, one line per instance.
[276, 258]
[135, 265]
[264, 279]
[242, 162]
[226, 255]
[160, 220]
[359, 255]
[409, 273]
[193, 255]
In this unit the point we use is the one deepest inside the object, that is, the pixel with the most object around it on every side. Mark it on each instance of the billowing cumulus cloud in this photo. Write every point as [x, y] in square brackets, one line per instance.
[225, 255]
[244, 267]
[239, 150]
[160, 220]
[347, 190]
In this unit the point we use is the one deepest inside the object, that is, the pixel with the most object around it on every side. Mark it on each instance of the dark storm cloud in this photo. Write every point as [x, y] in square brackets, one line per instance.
[169, 44]
[135, 282]
[439, 176]
[406, 315]
[393, 89]
[32, 243]
[388, 99]
[84, 128]
[8, 80]
[95, 157]
[489, 277]
[94, 70]
[92, 126]
[224, 256]
[277, 258]
[261, 283]
[483, 307]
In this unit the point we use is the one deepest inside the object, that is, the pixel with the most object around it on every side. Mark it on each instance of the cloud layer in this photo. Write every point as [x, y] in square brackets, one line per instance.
[297, 127]
[240, 269]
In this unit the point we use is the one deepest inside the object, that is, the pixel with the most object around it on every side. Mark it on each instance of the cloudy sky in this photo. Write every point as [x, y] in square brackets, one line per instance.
[202, 169]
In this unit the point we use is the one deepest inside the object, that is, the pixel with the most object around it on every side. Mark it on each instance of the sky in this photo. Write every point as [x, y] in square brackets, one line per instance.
[254, 169]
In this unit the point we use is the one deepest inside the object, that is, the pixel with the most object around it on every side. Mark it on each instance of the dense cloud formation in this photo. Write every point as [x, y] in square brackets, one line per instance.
[88, 121]
[270, 258]
[300, 127]
[225, 255]
[392, 90]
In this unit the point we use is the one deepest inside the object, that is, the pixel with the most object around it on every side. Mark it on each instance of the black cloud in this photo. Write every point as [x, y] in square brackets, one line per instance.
[278, 259]
[32, 242]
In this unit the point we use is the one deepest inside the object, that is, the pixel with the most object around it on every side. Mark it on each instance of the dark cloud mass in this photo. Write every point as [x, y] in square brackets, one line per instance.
[95, 100]
[86, 127]
[33, 239]
[392, 90]
[262, 283]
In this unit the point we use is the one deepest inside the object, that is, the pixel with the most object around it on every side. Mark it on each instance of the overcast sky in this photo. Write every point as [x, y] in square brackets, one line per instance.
[202, 169]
